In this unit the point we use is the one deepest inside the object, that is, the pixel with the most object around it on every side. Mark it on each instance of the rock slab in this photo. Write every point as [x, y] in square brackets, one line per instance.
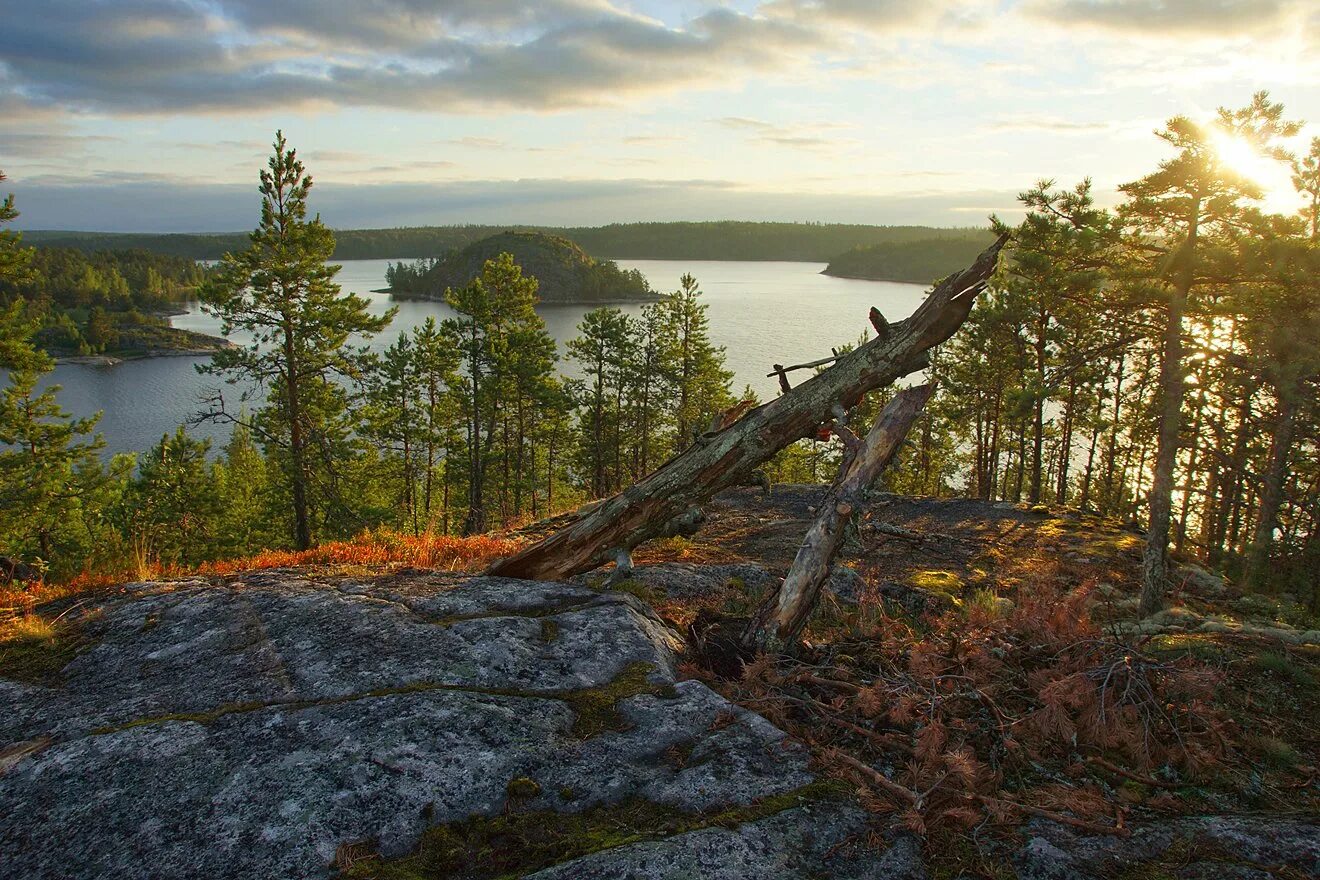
[252, 728]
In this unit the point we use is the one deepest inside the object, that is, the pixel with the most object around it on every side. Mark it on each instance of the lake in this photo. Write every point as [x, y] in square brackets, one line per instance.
[762, 313]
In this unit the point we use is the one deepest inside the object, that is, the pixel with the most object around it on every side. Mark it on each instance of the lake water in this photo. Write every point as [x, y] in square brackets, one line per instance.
[762, 313]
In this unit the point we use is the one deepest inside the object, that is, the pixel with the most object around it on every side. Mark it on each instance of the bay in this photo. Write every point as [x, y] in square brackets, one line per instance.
[761, 312]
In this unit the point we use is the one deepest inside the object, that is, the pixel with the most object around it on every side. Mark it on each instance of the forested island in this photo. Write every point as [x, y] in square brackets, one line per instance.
[919, 261]
[563, 271]
[107, 305]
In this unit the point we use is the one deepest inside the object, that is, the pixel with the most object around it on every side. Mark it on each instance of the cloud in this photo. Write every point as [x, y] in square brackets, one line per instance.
[803, 136]
[43, 144]
[744, 123]
[1045, 124]
[1159, 19]
[883, 16]
[477, 143]
[652, 140]
[166, 56]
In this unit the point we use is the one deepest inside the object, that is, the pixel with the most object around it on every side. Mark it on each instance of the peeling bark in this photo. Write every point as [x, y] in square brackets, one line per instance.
[782, 616]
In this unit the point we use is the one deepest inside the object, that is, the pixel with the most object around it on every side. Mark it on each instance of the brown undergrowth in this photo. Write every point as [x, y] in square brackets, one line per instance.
[988, 714]
[377, 550]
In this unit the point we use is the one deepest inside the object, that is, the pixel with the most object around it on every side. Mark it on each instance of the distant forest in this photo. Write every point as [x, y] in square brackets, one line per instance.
[104, 302]
[917, 261]
[722, 240]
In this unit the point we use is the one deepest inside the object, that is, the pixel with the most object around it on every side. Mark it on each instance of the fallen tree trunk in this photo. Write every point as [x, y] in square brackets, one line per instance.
[646, 509]
[785, 612]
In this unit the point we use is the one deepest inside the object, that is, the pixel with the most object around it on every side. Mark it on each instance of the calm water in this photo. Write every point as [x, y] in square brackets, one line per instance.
[762, 313]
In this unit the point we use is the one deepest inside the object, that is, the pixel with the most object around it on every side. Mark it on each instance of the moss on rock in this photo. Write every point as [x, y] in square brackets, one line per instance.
[515, 844]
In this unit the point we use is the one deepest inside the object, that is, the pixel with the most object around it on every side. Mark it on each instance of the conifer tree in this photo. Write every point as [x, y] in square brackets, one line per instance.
[48, 462]
[14, 258]
[601, 349]
[243, 485]
[504, 350]
[1306, 180]
[173, 504]
[1171, 213]
[701, 383]
[280, 294]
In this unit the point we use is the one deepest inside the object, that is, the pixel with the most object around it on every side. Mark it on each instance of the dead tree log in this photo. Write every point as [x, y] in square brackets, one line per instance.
[644, 510]
[784, 613]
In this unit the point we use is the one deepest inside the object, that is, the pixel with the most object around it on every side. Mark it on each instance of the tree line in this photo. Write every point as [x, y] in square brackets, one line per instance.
[711, 240]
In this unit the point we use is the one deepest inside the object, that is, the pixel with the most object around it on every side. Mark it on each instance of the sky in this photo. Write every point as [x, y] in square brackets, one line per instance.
[157, 115]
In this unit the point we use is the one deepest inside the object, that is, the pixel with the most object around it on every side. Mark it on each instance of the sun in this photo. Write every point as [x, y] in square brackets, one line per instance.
[1242, 158]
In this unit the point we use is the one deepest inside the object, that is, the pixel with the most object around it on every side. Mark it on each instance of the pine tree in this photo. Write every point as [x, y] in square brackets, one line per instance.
[1171, 212]
[14, 258]
[1306, 180]
[504, 350]
[243, 485]
[601, 349]
[1051, 278]
[173, 505]
[280, 292]
[437, 370]
[701, 383]
[1281, 329]
[48, 462]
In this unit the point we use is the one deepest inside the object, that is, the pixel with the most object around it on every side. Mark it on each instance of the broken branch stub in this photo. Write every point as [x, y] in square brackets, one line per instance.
[785, 612]
[642, 511]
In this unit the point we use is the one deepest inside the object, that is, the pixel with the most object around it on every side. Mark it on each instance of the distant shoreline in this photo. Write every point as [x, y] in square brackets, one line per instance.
[427, 297]
[112, 360]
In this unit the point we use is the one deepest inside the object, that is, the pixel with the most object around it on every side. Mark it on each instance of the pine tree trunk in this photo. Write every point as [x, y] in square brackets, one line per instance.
[1111, 454]
[1271, 494]
[1155, 562]
[1038, 418]
[302, 528]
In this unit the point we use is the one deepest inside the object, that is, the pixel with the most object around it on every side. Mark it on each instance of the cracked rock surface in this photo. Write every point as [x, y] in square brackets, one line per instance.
[251, 728]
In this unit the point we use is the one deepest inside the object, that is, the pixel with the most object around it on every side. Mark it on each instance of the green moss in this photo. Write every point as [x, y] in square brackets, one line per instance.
[1285, 667]
[35, 650]
[597, 708]
[549, 630]
[567, 793]
[650, 595]
[1202, 646]
[937, 581]
[523, 787]
[515, 844]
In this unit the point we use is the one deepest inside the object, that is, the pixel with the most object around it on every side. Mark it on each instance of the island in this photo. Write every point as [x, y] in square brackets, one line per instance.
[921, 261]
[564, 271]
[108, 306]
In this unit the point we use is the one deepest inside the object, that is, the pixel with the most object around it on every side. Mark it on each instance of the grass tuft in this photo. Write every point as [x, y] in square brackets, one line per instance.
[35, 649]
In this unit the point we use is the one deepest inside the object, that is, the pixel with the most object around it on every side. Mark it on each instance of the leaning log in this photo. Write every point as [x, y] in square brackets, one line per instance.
[784, 613]
[718, 460]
